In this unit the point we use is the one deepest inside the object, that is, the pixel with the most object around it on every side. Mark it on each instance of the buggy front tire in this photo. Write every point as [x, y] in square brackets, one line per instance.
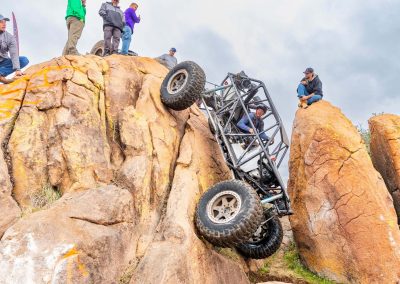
[229, 213]
[183, 85]
[266, 241]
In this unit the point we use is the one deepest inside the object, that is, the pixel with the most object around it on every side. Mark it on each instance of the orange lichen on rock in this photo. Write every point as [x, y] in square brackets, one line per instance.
[344, 224]
[385, 152]
[129, 169]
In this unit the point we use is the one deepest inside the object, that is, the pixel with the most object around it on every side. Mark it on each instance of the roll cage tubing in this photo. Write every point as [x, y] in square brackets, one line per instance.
[232, 101]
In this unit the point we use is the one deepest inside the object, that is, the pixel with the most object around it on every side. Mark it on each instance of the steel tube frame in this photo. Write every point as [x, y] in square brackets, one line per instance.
[232, 98]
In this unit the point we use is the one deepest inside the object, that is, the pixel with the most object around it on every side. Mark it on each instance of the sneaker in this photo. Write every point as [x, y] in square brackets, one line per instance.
[4, 80]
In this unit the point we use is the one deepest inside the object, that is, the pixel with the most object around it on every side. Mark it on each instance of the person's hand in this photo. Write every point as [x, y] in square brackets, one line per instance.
[303, 99]
[84, 3]
[251, 131]
[19, 73]
[303, 83]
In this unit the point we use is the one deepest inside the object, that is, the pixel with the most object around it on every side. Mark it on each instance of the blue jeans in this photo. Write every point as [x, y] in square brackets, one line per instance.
[126, 39]
[302, 91]
[6, 67]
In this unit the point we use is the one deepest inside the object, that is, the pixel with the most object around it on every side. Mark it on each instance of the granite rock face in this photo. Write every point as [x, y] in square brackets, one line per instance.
[385, 152]
[344, 224]
[129, 170]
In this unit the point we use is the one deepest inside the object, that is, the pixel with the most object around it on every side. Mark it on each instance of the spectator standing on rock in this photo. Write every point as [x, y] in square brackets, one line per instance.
[131, 19]
[309, 90]
[168, 60]
[8, 44]
[113, 25]
[76, 14]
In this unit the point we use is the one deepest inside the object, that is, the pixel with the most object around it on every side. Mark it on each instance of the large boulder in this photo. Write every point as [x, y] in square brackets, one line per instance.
[129, 170]
[385, 152]
[345, 225]
[83, 238]
[176, 245]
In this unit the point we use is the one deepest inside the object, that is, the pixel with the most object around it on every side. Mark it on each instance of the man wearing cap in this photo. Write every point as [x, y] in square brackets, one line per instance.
[76, 13]
[8, 44]
[245, 125]
[168, 60]
[309, 90]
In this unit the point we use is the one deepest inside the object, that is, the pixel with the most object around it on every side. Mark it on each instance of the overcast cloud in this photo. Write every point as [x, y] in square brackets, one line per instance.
[353, 45]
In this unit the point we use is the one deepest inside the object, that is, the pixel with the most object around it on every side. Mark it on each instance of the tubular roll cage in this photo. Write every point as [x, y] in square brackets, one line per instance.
[223, 110]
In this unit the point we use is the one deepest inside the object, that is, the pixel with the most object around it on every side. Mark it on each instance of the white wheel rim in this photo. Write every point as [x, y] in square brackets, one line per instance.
[224, 207]
[177, 81]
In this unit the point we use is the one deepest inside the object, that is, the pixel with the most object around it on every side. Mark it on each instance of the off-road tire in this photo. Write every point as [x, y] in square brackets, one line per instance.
[267, 246]
[242, 226]
[189, 91]
[98, 48]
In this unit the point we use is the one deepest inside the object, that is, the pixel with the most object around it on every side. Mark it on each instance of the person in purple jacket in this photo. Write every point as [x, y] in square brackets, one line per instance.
[131, 19]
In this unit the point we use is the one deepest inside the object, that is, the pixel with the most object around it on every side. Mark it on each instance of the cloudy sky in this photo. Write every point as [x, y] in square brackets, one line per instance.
[354, 45]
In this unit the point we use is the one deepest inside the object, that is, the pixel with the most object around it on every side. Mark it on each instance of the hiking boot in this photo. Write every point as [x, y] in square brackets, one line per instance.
[4, 80]
[302, 104]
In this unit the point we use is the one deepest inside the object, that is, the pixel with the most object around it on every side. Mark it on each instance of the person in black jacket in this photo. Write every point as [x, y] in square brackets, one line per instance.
[113, 25]
[309, 90]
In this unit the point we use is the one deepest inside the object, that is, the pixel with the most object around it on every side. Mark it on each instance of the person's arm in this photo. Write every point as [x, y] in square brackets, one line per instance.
[318, 88]
[13, 49]
[242, 124]
[135, 18]
[123, 18]
[161, 58]
[103, 10]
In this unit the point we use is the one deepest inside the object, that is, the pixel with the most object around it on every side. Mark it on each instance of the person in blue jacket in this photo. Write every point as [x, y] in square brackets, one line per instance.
[245, 125]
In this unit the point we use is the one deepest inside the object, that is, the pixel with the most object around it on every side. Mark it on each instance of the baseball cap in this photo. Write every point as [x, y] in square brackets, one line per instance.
[309, 70]
[2, 18]
[173, 49]
[263, 107]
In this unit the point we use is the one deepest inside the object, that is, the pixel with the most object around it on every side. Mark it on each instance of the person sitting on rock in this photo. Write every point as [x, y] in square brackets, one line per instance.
[8, 44]
[245, 125]
[168, 60]
[309, 90]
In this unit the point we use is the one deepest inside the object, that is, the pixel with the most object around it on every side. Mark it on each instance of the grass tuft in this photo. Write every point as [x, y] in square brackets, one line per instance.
[45, 197]
[292, 259]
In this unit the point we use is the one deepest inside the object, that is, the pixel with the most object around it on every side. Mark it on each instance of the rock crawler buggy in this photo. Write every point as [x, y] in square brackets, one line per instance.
[242, 212]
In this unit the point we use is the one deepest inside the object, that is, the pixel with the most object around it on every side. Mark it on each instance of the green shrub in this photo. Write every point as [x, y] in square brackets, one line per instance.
[45, 197]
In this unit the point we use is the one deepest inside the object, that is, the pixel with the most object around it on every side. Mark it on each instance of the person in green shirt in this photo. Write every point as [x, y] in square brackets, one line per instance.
[76, 13]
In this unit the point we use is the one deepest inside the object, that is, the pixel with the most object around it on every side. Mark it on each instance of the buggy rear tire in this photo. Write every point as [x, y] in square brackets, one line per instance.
[183, 85]
[229, 213]
[269, 244]
[98, 48]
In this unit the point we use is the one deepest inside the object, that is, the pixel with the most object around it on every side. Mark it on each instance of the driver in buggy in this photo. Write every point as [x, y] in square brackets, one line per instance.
[245, 126]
